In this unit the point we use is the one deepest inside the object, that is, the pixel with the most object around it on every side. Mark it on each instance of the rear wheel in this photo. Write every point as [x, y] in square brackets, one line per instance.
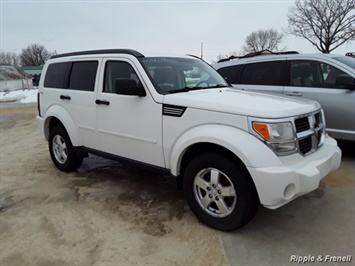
[219, 193]
[62, 151]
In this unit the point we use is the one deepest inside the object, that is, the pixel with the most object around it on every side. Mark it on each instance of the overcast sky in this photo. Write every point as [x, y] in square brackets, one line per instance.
[151, 27]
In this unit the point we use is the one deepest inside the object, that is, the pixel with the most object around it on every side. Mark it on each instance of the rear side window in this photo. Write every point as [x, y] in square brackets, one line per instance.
[55, 76]
[83, 76]
[265, 73]
[231, 73]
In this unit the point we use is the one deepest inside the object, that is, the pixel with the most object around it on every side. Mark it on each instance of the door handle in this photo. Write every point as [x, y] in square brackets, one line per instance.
[65, 97]
[102, 102]
[294, 93]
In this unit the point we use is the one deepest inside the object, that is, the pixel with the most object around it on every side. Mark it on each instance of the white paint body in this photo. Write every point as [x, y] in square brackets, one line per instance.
[135, 128]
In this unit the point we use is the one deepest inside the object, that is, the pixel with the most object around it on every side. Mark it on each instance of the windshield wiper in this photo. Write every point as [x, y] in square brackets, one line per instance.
[217, 86]
[186, 89]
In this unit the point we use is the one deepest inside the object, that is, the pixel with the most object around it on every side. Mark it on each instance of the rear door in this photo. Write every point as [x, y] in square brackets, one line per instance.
[81, 92]
[72, 84]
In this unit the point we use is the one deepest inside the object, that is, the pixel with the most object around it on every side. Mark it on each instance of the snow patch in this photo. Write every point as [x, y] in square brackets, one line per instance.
[26, 96]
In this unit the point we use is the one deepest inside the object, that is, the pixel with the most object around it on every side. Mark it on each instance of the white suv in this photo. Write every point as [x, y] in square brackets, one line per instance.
[326, 78]
[232, 150]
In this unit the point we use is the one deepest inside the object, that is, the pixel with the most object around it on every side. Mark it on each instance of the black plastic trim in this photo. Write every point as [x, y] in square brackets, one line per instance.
[105, 51]
[262, 52]
[173, 110]
[80, 151]
[148, 167]
[65, 97]
[102, 102]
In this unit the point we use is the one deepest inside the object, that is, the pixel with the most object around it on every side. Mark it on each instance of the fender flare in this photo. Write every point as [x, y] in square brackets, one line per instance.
[63, 116]
[250, 150]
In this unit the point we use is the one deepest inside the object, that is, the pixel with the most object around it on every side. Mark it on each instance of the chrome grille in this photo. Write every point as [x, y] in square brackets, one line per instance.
[310, 131]
[302, 124]
[318, 119]
[305, 145]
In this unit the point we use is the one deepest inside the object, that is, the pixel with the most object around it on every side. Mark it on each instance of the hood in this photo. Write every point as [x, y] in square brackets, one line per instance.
[243, 103]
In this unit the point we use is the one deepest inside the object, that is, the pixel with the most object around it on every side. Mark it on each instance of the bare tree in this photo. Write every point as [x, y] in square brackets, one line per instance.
[34, 55]
[8, 58]
[262, 40]
[326, 24]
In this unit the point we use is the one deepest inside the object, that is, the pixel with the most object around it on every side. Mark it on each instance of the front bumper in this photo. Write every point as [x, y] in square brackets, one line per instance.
[296, 176]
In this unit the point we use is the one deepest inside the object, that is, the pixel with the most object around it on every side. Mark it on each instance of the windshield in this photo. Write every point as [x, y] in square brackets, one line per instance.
[173, 74]
[347, 60]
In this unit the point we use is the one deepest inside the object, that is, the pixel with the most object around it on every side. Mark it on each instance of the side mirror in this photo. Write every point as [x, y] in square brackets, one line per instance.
[129, 87]
[345, 81]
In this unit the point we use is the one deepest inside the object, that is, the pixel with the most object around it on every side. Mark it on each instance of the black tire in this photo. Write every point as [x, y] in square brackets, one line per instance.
[222, 211]
[62, 151]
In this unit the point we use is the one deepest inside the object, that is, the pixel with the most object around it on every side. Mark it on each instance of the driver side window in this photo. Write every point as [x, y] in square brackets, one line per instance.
[330, 74]
[311, 73]
[118, 70]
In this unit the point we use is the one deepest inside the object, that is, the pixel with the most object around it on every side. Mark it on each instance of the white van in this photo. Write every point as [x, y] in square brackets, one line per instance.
[326, 78]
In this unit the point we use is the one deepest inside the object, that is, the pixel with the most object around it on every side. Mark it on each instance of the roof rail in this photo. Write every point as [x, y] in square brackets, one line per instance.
[229, 58]
[258, 53]
[268, 52]
[106, 51]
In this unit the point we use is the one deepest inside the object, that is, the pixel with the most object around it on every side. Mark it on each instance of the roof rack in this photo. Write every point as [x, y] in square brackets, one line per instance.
[229, 58]
[106, 51]
[262, 52]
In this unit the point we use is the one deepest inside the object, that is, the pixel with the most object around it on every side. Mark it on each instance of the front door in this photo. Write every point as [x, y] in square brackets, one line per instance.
[128, 126]
[315, 80]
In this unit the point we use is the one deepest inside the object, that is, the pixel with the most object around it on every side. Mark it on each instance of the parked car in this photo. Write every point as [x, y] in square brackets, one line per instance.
[35, 79]
[326, 78]
[230, 150]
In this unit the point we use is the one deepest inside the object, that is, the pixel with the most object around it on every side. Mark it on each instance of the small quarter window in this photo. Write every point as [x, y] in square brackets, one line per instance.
[55, 76]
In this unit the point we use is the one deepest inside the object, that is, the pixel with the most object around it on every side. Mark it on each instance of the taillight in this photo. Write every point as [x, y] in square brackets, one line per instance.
[38, 100]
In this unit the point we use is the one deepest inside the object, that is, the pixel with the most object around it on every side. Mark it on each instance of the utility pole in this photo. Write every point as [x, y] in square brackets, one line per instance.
[201, 50]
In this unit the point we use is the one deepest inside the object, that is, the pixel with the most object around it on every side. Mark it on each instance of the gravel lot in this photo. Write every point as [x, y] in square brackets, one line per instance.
[110, 213]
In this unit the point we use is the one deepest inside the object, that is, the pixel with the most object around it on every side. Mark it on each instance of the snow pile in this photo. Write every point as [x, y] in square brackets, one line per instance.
[26, 96]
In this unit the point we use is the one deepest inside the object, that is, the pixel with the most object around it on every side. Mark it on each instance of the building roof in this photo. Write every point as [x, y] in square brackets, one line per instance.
[8, 72]
[24, 68]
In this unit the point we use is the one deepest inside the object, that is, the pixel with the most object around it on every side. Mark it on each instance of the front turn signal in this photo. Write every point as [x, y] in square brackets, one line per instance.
[262, 129]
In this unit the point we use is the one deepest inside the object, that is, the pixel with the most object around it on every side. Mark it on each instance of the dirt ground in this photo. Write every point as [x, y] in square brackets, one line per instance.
[108, 213]
[105, 213]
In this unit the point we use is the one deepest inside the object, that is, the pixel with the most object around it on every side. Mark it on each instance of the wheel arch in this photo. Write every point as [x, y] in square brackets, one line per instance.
[204, 147]
[242, 148]
[247, 149]
[57, 115]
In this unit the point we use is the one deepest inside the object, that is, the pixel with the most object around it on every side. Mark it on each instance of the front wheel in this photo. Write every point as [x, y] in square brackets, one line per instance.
[219, 193]
[62, 151]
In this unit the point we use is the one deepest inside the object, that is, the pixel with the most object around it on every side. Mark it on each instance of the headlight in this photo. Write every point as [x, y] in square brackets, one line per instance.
[279, 136]
[274, 132]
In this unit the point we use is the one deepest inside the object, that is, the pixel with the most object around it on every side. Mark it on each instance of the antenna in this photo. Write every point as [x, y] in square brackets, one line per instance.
[201, 50]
